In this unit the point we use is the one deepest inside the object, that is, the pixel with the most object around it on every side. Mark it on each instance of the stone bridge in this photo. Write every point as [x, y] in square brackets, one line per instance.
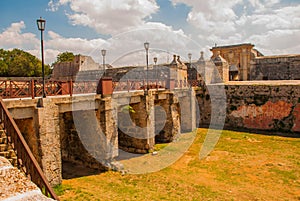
[90, 129]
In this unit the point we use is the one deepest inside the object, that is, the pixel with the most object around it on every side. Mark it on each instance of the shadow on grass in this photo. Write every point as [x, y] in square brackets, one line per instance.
[71, 170]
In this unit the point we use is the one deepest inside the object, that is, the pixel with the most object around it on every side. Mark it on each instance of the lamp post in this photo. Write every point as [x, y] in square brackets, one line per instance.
[146, 45]
[155, 60]
[41, 26]
[103, 52]
[156, 76]
[190, 58]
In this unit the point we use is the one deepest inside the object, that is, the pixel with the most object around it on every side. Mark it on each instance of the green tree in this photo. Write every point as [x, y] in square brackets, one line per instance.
[18, 63]
[65, 56]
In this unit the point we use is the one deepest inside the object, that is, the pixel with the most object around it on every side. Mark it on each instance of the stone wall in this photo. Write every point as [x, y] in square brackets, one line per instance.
[72, 148]
[134, 127]
[31, 135]
[259, 106]
[167, 117]
[284, 67]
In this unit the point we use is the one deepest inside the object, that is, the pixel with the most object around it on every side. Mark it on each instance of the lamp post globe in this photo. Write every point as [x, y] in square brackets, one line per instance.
[190, 57]
[155, 60]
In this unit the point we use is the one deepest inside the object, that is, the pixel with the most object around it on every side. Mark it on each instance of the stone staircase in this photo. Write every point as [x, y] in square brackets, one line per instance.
[6, 149]
[14, 185]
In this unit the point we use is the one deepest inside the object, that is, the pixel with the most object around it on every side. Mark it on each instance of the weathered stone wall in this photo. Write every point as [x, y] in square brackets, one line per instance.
[31, 135]
[38, 120]
[49, 139]
[285, 67]
[167, 117]
[269, 106]
[72, 148]
[136, 124]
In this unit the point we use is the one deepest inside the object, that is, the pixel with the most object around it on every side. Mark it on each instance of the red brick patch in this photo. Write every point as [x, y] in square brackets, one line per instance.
[261, 117]
[296, 114]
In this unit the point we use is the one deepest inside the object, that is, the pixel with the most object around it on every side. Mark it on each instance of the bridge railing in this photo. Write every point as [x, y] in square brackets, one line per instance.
[131, 85]
[26, 160]
[33, 88]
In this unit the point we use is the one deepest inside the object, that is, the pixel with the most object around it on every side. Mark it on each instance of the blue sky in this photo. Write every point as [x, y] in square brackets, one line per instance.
[171, 26]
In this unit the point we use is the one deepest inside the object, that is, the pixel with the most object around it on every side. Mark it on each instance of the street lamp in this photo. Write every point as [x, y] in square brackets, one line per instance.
[41, 26]
[103, 52]
[155, 60]
[190, 58]
[146, 45]
[156, 76]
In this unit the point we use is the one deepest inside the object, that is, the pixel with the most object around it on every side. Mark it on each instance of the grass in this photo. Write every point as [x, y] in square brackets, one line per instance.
[242, 166]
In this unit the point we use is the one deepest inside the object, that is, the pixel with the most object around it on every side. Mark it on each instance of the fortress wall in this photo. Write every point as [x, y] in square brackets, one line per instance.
[285, 67]
[258, 106]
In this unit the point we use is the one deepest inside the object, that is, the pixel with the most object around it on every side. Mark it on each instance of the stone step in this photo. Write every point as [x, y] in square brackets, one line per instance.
[2, 133]
[3, 147]
[16, 186]
[5, 154]
[3, 140]
[13, 161]
[12, 153]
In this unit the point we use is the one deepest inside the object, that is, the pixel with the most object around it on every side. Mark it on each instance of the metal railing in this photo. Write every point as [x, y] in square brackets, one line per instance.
[33, 88]
[26, 160]
[132, 85]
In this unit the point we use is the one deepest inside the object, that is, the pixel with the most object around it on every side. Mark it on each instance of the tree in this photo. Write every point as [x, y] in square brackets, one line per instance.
[63, 57]
[18, 63]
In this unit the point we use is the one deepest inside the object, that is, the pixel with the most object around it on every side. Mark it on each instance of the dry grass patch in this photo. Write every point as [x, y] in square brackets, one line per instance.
[242, 166]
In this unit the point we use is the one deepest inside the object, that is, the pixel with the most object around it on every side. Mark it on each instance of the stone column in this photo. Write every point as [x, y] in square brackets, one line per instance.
[222, 67]
[150, 121]
[107, 116]
[187, 110]
[49, 137]
[244, 65]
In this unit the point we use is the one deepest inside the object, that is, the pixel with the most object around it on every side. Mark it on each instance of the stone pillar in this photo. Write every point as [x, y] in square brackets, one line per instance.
[167, 117]
[136, 127]
[107, 116]
[222, 67]
[150, 121]
[49, 137]
[187, 110]
[244, 65]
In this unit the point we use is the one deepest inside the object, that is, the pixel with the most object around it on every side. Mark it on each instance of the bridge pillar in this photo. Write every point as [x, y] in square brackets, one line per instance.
[187, 110]
[136, 127]
[107, 115]
[49, 137]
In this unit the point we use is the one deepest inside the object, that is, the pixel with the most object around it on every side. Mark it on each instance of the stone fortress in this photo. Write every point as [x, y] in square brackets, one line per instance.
[240, 62]
[253, 101]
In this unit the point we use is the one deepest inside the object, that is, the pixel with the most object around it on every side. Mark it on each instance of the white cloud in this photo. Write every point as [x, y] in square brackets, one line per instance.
[12, 37]
[108, 17]
[280, 41]
[268, 24]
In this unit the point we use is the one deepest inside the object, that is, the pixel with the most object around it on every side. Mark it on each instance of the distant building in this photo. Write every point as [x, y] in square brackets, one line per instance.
[228, 63]
[238, 58]
[69, 70]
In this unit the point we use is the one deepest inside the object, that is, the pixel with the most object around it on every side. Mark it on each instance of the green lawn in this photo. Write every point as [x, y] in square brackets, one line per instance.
[242, 167]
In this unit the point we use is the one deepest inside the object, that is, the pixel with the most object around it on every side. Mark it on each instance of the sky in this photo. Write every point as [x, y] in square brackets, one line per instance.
[170, 26]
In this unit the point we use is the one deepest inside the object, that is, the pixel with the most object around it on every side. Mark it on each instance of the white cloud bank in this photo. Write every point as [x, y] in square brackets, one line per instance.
[269, 24]
[274, 27]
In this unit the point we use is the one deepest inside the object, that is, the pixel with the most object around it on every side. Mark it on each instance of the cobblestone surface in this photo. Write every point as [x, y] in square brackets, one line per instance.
[15, 186]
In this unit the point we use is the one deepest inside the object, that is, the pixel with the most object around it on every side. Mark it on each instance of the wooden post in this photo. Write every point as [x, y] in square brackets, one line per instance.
[71, 87]
[32, 88]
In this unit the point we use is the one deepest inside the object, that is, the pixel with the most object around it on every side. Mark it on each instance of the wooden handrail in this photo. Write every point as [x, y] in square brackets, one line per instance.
[26, 159]
[33, 88]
